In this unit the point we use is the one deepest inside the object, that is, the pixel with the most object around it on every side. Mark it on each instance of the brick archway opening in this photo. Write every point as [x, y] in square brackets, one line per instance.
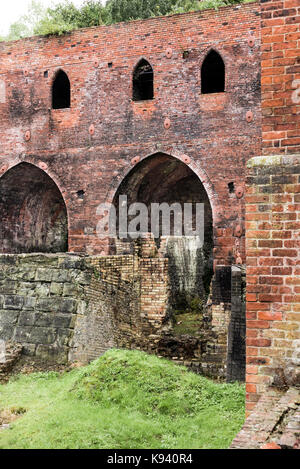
[163, 179]
[33, 212]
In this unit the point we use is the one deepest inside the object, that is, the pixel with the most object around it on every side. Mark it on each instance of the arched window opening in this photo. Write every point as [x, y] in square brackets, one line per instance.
[143, 81]
[213, 74]
[61, 91]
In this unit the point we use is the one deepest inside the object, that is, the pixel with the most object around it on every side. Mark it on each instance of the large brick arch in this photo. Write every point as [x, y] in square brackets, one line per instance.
[162, 178]
[194, 166]
[33, 211]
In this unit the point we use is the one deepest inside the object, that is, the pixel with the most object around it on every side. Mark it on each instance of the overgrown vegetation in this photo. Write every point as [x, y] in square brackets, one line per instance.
[188, 317]
[123, 400]
[188, 323]
[66, 16]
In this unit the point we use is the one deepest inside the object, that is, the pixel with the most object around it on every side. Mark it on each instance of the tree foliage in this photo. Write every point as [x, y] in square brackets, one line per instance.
[66, 16]
[126, 10]
[183, 6]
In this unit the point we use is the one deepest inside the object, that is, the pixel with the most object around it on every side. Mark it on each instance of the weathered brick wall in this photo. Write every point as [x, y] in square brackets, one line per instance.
[280, 76]
[273, 301]
[129, 307]
[220, 309]
[210, 133]
[272, 218]
[128, 304]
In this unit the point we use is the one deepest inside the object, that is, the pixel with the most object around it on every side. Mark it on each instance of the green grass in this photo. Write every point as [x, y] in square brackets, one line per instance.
[188, 323]
[123, 400]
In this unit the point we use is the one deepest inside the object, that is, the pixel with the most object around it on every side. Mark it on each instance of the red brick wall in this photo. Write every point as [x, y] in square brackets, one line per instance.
[273, 274]
[272, 210]
[211, 130]
[280, 76]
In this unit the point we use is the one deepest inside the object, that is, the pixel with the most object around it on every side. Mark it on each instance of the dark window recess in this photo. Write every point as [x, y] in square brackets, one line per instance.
[143, 81]
[231, 187]
[110, 64]
[61, 91]
[46, 74]
[80, 195]
[213, 74]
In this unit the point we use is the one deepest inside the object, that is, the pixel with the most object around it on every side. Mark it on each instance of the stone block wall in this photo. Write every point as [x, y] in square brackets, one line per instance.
[68, 308]
[65, 307]
[40, 297]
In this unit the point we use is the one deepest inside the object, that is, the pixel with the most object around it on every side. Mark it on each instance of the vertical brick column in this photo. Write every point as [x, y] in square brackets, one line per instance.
[273, 274]
[154, 278]
[280, 76]
[272, 209]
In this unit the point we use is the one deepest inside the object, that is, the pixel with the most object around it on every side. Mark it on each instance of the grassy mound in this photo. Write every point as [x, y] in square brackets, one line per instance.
[153, 386]
[123, 400]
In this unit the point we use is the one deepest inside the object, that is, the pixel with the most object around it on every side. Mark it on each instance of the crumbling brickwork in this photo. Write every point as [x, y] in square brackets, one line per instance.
[128, 303]
[274, 424]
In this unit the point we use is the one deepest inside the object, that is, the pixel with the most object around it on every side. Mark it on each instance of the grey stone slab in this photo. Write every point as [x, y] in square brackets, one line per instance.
[29, 302]
[56, 288]
[62, 275]
[43, 275]
[9, 316]
[71, 262]
[70, 289]
[8, 286]
[13, 302]
[36, 335]
[62, 321]
[26, 318]
[6, 331]
[57, 304]
[52, 353]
